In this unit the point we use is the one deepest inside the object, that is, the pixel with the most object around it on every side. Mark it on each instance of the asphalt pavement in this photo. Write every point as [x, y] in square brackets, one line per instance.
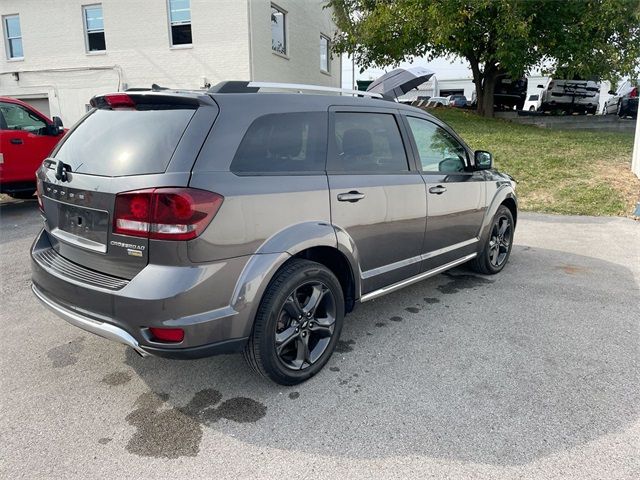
[532, 373]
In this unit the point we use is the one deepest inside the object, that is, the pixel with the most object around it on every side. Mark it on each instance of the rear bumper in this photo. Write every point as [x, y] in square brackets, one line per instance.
[196, 298]
[116, 334]
[102, 329]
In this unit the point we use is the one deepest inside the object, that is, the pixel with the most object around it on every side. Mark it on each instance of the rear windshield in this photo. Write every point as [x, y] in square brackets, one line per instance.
[116, 143]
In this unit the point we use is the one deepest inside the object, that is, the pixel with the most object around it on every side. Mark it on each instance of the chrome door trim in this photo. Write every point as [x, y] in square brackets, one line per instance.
[450, 248]
[409, 261]
[391, 266]
[416, 278]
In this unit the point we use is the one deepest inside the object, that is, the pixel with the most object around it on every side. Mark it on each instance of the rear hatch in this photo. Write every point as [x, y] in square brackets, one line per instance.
[127, 142]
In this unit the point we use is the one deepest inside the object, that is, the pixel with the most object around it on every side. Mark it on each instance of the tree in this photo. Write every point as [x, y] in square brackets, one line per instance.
[586, 38]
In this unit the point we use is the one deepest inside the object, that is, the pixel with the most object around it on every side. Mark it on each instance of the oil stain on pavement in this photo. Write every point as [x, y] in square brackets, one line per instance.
[462, 282]
[344, 346]
[177, 431]
[116, 378]
[570, 269]
[65, 355]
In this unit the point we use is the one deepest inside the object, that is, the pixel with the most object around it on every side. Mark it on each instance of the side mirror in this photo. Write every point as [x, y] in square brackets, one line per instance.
[483, 160]
[56, 128]
[611, 92]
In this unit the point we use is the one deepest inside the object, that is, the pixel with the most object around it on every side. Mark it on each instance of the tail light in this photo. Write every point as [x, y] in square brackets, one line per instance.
[173, 335]
[633, 93]
[165, 213]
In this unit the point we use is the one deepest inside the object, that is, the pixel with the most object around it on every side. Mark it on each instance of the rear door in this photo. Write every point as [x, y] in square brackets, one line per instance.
[455, 196]
[375, 196]
[25, 142]
[151, 143]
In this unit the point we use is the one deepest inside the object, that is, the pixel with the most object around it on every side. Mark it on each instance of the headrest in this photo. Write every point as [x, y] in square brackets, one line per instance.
[356, 142]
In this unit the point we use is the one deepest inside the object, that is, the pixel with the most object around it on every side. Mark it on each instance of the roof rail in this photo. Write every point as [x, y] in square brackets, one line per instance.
[252, 87]
[312, 88]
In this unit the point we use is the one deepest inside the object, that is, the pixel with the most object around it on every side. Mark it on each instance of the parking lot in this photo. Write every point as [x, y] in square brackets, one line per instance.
[529, 374]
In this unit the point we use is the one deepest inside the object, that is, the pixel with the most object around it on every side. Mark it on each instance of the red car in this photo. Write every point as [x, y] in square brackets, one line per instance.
[27, 137]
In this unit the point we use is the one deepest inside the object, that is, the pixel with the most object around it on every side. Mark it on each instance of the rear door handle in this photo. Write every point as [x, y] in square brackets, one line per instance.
[16, 141]
[438, 190]
[353, 196]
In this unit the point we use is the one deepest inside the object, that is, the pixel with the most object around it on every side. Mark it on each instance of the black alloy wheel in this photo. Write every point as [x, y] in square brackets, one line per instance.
[495, 252]
[305, 325]
[500, 241]
[298, 323]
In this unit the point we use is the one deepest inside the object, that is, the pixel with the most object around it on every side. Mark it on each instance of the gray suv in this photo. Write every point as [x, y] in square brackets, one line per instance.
[186, 224]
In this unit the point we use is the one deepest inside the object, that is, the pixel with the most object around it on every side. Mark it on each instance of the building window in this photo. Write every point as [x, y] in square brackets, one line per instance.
[278, 33]
[180, 20]
[325, 54]
[94, 28]
[13, 36]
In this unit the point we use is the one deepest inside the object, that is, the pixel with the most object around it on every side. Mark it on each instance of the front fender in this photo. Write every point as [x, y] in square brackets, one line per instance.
[503, 190]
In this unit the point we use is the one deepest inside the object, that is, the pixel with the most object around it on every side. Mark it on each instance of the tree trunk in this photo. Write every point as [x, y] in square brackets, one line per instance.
[488, 88]
[485, 82]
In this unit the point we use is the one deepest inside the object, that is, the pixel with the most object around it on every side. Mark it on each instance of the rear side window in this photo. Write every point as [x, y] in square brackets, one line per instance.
[283, 143]
[115, 143]
[368, 143]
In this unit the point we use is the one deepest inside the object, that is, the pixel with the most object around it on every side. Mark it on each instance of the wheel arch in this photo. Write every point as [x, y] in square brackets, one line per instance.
[506, 196]
[317, 241]
[511, 204]
[337, 262]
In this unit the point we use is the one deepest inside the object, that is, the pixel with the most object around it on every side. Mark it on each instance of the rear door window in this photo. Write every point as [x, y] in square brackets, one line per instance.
[117, 143]
[368, 143]
[283, 143]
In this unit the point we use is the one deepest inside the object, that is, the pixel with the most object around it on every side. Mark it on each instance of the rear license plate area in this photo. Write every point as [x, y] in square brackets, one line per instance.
[84, 222]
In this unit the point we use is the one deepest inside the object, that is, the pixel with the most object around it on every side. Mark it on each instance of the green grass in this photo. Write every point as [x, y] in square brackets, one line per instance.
[567, 172]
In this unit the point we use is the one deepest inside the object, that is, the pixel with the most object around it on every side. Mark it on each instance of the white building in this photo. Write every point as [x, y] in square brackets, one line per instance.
[59, 53]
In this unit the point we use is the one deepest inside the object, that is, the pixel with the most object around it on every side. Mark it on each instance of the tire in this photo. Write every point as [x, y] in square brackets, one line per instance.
[283, 317]
[484, 263]
[23, 195]
[532, 108]
[621, 112]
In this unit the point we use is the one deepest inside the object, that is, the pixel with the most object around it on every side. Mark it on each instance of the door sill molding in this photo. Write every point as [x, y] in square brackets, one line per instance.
[430, 273]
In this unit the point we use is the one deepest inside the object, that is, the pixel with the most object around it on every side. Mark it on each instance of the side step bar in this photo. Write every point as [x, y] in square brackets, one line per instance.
[417, 278]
